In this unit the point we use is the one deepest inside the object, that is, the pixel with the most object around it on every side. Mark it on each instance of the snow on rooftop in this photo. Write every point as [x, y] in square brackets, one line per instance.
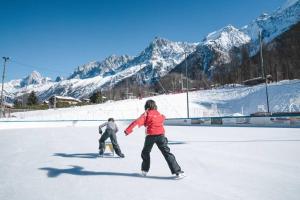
[66, 97]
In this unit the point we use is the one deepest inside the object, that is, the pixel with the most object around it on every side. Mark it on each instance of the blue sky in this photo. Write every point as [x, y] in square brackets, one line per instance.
[55, 36]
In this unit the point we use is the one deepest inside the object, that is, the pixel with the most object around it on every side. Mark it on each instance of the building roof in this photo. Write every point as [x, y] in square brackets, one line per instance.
[65, 98]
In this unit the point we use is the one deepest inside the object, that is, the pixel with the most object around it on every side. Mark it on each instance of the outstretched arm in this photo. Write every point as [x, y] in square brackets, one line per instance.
[138, 122]
[102, 125]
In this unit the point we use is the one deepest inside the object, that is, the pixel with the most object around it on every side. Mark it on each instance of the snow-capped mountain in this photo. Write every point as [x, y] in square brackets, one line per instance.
[272, 25]
[59, 78]
[215, 47]
[34, 78]
[226, 38]
[214, 50]
[160, 57]
[33, 82]
[105, 68]
[155, 61]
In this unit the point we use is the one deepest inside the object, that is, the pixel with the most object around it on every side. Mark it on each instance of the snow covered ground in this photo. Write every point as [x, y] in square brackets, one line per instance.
[203, 103]
[220, 163]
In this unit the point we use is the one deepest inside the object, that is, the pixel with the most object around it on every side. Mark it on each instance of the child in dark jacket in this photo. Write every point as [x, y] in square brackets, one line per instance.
[153, 121]
[110, 132]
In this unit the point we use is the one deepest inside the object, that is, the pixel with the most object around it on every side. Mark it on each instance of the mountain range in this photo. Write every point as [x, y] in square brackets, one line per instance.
[161, 57]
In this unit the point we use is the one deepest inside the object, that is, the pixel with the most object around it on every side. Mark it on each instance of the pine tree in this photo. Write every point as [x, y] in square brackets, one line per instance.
[96, 97]
[17, 103]
[32, 99]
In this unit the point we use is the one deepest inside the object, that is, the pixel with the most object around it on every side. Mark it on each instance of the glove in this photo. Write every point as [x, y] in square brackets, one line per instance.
[127, 132]
[100, 131]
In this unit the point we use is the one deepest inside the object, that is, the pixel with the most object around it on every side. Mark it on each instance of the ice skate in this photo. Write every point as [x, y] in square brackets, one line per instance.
[101, 153]
[121, 155]
[180, 175]
[144, 173]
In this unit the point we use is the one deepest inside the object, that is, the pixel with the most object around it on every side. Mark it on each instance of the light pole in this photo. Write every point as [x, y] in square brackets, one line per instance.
[2, 98]
[263, 69]
[187, 88]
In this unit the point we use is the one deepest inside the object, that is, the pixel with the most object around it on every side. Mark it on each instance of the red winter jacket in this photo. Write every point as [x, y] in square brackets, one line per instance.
[152, 120]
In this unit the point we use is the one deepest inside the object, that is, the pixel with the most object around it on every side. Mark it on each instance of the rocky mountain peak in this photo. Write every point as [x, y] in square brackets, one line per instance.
[34, 78]
[105, 67]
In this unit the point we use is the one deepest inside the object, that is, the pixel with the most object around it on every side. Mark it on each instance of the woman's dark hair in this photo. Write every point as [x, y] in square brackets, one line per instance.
[111, 119]
[150, 105]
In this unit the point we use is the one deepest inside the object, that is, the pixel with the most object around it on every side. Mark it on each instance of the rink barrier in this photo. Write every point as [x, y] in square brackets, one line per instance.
[285, 121]
[227, 121]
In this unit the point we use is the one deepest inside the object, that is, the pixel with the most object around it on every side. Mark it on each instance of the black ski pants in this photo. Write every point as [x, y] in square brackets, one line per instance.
[162, 143]
[113, 138]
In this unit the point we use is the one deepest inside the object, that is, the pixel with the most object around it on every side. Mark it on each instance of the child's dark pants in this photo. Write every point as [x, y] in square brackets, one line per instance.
[113, 138]
[162, 143]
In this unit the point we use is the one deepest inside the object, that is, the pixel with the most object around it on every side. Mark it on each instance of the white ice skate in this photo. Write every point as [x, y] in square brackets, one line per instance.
[144, 173]
[180, 175]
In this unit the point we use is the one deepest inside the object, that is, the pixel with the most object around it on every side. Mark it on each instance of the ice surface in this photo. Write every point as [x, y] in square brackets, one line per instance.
[220, 163]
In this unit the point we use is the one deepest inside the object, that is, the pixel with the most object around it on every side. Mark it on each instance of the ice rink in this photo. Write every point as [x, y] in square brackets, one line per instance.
[220, 163]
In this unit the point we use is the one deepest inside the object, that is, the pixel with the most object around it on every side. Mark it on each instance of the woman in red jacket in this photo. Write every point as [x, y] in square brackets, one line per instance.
[153, 121]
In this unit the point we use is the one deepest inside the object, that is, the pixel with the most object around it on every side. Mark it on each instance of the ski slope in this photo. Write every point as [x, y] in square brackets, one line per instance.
[226, 101]
[220, 163]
